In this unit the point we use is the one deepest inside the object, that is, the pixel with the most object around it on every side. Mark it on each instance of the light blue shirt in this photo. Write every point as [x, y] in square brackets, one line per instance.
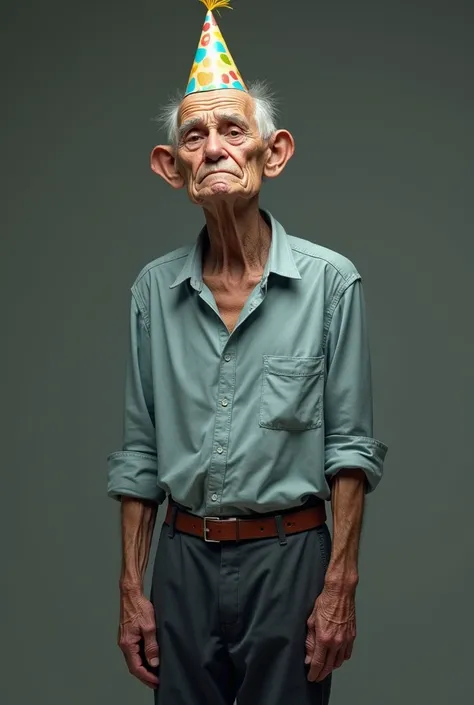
[257, 420]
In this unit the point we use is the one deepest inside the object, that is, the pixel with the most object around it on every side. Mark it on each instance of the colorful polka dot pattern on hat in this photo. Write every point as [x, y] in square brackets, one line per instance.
[213, 67]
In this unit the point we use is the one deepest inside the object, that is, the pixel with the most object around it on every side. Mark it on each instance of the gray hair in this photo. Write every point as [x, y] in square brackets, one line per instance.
[265, 112]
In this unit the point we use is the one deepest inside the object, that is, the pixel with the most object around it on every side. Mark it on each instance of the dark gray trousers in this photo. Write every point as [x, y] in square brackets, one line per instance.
[231, 619]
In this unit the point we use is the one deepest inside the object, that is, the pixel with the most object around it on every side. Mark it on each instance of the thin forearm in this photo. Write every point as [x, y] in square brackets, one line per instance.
[347, 502]
[138, 522]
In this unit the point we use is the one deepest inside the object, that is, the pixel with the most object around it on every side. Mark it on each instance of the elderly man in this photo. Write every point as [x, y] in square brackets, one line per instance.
[248, 406]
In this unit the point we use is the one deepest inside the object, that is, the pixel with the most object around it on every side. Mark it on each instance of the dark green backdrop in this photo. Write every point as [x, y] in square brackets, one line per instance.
[378, 94]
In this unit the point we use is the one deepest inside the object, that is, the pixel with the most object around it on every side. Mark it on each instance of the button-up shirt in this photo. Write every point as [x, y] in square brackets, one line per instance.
[259, 419]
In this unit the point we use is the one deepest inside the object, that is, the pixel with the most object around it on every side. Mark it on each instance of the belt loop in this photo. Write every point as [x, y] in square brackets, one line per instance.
[174, 511]
[280, 530]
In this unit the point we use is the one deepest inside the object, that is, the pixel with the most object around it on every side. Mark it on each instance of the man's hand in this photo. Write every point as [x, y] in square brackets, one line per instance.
[331, 632]
[332, 624]
[137, 631]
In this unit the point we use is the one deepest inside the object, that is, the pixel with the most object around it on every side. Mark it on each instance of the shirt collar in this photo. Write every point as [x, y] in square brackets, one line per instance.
[280, 257]
[192, 268]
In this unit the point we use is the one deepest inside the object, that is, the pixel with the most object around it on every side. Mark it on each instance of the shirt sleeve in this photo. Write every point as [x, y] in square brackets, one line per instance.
[132, 471]
[348, 404]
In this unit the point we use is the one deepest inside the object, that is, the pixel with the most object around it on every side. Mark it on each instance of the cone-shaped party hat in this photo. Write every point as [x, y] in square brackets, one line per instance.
[213, 67]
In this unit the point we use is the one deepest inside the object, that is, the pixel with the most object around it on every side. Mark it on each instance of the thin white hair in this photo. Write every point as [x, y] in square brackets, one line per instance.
[265, 112]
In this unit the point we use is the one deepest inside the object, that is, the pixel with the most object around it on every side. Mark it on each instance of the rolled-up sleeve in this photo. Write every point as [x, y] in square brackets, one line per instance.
[132, 470]
[348, 404]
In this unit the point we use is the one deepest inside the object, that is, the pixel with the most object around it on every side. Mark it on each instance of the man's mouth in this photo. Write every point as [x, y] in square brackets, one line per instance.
[219, 171]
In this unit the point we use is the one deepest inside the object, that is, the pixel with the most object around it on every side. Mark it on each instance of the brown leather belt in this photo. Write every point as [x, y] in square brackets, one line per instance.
[215, 529]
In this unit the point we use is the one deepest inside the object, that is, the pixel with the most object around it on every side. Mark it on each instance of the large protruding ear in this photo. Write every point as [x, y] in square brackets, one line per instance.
[282, 147]
[163, 163]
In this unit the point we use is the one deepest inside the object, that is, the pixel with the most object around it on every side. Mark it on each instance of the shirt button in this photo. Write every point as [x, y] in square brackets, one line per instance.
[227, 358]
[214, 497]
[220, 450]
[224, 402]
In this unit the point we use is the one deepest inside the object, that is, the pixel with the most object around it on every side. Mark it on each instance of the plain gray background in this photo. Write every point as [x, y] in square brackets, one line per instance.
[378, 95]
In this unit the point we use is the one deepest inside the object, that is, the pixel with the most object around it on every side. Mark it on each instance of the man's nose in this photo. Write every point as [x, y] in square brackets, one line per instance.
[213, 149]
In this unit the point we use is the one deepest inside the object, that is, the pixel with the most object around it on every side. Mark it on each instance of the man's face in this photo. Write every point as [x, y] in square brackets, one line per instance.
[220, 153]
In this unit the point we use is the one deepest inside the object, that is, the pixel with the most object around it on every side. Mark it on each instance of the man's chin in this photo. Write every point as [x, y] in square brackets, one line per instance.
[217, 191]
[220, 187]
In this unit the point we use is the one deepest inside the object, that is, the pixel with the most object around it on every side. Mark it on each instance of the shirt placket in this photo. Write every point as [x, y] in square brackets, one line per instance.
[224, 406]
[225, 403]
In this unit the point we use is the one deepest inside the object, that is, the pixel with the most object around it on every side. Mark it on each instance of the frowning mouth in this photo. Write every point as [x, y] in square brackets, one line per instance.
[219, 171]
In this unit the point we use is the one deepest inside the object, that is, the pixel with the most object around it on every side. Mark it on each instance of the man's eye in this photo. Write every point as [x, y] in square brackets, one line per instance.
[193, 138]
[235, 132]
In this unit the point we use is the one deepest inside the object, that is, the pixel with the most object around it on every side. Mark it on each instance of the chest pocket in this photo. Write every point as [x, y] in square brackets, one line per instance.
[292, 393]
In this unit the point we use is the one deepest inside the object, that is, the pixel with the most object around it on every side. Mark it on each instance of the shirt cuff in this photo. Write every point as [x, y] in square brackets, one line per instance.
[133, 474]
[362, 452]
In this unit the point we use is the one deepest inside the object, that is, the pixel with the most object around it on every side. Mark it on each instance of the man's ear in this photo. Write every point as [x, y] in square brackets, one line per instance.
[162, 162]
[281, 147]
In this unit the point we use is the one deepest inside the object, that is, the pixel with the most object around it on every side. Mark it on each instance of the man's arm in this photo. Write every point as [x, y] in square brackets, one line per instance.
[347, 502]
[138, 519]
[137, 626]
[353, 467]
[132, 480]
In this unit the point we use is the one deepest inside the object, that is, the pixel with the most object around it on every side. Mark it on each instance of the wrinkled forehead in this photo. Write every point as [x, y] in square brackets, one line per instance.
[211, 106]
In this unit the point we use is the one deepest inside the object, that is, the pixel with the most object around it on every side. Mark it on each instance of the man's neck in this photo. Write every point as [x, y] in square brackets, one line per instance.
[238, 244]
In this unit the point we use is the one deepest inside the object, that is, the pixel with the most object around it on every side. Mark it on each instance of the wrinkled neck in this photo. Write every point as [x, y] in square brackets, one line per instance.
[238, 242]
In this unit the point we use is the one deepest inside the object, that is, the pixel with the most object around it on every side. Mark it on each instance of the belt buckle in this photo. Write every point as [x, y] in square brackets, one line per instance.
[206, 528]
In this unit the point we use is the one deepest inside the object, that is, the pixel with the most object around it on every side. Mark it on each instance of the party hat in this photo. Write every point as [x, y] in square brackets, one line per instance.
[213, 67]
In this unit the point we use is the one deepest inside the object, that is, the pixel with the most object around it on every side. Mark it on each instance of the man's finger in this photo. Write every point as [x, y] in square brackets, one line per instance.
[136, 667]
[329, 663]
[146, 677]
[132, 657]
[340, 657]
[348, 652]
[150, 648]
[310, 641]
[318, 660]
